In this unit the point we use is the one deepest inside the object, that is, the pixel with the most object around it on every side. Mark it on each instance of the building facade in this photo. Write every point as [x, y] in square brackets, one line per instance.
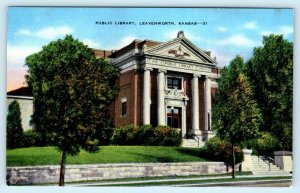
[165, 83]
[24, 97]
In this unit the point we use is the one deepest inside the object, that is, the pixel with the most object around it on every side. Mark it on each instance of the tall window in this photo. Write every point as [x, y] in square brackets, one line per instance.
[174, 83]
[124, 106]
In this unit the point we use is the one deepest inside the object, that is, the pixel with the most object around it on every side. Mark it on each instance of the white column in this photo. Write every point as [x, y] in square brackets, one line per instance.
[161, 114]
[183, 122]
[207, 102]
[146, 97]
[195, 99]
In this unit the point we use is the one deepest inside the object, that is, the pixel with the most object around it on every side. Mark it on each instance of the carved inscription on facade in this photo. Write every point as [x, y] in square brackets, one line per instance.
[178, 65]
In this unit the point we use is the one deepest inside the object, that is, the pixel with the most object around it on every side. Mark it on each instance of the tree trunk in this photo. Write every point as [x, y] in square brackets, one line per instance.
[62, 169]
[233, 161]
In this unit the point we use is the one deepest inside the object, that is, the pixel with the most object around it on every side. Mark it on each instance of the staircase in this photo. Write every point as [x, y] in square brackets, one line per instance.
[191, 143]
[263, 166]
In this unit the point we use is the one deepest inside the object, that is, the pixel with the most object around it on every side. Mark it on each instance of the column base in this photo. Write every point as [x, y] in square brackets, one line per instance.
[206, 135]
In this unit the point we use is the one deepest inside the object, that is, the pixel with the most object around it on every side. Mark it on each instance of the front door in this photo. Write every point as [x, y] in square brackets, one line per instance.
[174, 117]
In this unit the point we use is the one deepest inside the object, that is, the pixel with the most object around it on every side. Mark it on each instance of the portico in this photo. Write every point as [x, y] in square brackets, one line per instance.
[168, 83]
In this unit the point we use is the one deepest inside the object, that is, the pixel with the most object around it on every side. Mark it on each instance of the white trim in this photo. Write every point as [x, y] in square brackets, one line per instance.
[124, 99]
[19, 97]
[170, 76]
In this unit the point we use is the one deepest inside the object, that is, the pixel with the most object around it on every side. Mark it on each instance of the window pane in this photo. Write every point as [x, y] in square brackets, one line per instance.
[169, 110]
[175, 82]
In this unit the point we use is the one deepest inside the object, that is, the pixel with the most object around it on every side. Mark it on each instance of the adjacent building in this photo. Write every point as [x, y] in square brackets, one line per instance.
[24, 97]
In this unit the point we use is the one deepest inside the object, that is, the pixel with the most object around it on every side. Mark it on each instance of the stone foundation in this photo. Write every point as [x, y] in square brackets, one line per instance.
[50, 174]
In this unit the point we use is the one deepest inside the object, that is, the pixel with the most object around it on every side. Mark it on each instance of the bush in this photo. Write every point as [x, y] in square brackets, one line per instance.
[123, 135]
[145, 135]
[32, 138]
[221, 150]
[14, 126]
[167, 136]
[265, 144]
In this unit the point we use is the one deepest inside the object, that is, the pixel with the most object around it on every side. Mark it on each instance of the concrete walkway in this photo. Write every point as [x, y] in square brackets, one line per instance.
[181, 180]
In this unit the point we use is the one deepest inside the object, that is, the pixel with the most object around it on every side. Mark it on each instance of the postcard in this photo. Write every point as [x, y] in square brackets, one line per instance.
[127, 96]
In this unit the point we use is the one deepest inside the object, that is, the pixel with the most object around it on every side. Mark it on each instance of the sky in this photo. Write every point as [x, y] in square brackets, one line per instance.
[226, 32]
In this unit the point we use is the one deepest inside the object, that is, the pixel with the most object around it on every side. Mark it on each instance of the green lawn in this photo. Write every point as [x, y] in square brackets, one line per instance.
[107, 154]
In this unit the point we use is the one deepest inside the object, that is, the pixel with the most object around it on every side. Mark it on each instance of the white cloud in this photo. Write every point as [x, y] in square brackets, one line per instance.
[48, 33]
[222, 29]
[223, 59]
[238, 40]
[23, 32]
[16, 55]
[285, 30]
[250, 25]
[91, 43]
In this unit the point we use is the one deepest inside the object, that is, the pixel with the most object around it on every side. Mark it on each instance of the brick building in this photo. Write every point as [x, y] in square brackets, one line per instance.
[165, 83]
[162, 83]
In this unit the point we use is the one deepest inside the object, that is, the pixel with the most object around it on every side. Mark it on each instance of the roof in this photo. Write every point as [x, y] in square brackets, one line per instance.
[22, 91]
[102, 53]
[134, 44]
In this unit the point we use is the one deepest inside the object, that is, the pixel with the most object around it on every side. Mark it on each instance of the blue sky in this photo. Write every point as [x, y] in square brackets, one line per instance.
[229, 32]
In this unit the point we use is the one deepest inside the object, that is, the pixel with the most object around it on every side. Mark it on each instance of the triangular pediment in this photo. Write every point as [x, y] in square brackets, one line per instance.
[181, 49]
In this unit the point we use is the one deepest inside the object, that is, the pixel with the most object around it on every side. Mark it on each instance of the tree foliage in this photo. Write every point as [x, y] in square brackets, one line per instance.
[72, 90]
[14, 125]
[270, 73]
[236, 115]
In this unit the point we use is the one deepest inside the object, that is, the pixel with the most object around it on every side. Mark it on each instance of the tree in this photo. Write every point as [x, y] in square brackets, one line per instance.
[236, 116]
[14, 125]
[270, 73]
[72, 90]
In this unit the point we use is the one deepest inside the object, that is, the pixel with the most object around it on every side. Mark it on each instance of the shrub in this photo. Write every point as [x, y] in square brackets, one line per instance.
[32, 138]
[145, 135]
[221, 150]
[14, 125]
[167, 136]
[265, 144]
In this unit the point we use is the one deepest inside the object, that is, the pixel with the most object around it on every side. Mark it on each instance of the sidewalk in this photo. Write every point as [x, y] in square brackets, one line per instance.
[182, 180]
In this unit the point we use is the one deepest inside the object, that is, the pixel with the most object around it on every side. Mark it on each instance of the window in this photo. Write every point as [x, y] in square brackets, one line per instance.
[174, 117]
[174, 83]
[124, 106]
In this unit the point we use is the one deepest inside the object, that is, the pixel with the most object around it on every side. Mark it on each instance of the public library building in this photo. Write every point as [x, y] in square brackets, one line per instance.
[165, 83]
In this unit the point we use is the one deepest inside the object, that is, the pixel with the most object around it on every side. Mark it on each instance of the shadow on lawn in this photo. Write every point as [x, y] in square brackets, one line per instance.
[197, 152]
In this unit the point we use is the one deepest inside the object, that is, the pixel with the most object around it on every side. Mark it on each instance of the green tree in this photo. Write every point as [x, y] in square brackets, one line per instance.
[14, 125]
[72, 90]
[270, 73]
[236, 116]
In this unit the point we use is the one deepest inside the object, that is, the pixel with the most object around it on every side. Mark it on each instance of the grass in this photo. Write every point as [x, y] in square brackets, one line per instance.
[108, 154]
[201, 181]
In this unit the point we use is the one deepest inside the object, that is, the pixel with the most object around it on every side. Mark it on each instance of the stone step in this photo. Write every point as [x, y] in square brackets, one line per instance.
[191, 143]
[260, 167]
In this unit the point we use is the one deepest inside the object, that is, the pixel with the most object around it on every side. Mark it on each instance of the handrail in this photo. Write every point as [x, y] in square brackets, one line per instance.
[267, 162]
[193, 136]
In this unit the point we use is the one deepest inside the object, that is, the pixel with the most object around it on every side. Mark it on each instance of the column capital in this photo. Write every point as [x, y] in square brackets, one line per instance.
[148, 68]
[196, 75]
[162, 70]
[207, 77]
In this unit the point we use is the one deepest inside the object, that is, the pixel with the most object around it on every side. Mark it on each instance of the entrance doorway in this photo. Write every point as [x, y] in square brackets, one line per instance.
[174, 117]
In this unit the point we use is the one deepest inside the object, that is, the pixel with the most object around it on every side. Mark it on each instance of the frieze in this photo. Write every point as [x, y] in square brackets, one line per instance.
[178, 65]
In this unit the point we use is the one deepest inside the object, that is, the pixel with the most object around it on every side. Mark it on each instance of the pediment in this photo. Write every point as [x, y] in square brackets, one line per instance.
[181, 49]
